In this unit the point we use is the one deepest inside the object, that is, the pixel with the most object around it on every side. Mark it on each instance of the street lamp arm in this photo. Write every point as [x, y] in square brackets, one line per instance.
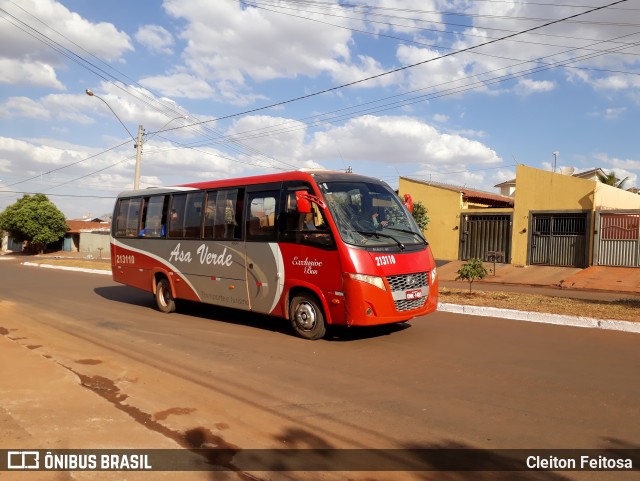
[91, 94]
[161, 129]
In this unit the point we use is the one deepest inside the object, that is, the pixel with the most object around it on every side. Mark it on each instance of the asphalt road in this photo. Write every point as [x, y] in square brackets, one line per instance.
[238, 379]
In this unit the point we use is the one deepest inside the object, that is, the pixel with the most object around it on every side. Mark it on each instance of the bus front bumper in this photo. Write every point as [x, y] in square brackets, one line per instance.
[369, 305]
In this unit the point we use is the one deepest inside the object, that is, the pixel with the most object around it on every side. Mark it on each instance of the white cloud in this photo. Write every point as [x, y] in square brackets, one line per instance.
[398, 140]
[614, 113]
[49, 17]
[435, 73]
[528, 86]
[228, 41]
[156, 39]
[471, 133]
[622, 167]
[423, 14]
[282, 139]
[19, 72]
[179, 85]
[364, 67]
[24, 107]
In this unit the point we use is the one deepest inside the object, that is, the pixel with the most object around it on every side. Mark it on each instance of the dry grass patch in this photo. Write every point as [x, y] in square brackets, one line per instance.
[622, 309]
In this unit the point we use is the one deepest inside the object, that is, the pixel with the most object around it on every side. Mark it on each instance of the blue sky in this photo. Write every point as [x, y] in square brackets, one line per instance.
[448, 97]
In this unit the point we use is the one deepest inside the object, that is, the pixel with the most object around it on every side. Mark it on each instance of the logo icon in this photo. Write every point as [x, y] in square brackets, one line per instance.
[23, 460]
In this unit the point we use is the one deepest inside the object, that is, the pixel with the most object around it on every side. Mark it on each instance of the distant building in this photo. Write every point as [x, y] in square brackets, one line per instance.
[87, 235]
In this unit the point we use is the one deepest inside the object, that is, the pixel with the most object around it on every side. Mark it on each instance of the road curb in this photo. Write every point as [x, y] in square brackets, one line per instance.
[67, 268]
[558, 319]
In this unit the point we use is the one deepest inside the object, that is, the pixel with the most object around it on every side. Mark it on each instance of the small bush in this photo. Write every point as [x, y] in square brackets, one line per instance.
[472, 271]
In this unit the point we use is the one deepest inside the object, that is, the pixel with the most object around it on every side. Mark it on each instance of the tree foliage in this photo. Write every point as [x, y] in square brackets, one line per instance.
[421, 215]
[35, 219]
[612, 180]
[471, 271]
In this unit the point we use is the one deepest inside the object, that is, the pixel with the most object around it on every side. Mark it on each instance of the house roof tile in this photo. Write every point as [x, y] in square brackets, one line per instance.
[495, 200]
[75, 226]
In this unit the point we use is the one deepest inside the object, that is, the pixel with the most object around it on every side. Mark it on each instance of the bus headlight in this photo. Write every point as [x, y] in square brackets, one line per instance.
[433, 275]
[373, 280]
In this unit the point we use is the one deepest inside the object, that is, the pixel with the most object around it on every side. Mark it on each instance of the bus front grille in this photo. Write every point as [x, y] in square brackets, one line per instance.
[407, 282]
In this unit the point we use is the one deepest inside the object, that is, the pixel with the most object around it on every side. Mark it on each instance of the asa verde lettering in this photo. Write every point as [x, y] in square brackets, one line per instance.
[204, 255]
[118, 462]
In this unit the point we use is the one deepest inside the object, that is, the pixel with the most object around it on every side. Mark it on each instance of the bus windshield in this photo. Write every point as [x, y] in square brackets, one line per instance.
[369, 214]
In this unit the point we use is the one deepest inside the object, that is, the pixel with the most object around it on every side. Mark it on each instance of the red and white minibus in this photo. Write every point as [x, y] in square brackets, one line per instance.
[318, 248]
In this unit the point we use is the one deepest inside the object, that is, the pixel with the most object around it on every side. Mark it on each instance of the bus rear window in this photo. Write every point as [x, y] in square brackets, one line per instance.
[127, 221]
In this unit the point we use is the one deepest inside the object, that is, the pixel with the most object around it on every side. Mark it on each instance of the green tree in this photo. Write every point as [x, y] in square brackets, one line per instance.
[471, 271]
[612, 180]
[421, 215]
[35, 219]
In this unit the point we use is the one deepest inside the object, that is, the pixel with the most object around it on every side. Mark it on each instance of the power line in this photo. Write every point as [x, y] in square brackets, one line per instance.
[366, 16]
[322, 119]
[59, 195]
[68, 165]
[421, 29]
[151, 102]
[406, 67]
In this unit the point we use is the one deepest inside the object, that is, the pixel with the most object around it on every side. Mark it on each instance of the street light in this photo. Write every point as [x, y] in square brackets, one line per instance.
[137, 143]
[153, 134]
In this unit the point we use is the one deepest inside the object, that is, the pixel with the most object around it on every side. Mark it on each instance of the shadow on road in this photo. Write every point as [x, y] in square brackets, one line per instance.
[137, 297]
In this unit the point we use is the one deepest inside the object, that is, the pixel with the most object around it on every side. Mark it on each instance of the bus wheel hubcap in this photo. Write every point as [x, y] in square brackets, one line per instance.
[305, 316]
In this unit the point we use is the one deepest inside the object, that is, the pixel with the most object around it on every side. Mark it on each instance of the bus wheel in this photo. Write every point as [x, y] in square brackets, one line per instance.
[164, 298]
[307, 318]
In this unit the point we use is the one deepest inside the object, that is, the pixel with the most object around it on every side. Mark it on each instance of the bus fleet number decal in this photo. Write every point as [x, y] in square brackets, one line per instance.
[125, 259]
[385, 260]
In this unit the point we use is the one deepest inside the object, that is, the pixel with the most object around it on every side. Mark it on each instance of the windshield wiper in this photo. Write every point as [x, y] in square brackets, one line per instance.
[378, 234]
[407, 231]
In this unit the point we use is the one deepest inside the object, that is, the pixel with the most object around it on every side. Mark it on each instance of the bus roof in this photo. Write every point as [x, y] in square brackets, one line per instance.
[304, 175]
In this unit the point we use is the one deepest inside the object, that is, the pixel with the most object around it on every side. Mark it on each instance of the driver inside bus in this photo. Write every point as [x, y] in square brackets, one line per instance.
[378, 223]
[308, 223]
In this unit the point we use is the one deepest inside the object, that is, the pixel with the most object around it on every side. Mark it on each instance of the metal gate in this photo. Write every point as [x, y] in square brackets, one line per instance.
[559, 239]
[484, 235]
[617, 239]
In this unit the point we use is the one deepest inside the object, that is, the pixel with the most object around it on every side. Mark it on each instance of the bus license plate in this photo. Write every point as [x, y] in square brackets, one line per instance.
[414, 294]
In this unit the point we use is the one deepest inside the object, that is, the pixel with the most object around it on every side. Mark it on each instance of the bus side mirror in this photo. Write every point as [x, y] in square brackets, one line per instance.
[408, 202]
[303, 201]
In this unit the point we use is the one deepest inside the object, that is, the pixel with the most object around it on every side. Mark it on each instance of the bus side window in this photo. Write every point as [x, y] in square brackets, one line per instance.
[227, 225]
[260, 220]
[193, 215]
[304, 228]
[210, 215]
[152, 221]
[176, 215]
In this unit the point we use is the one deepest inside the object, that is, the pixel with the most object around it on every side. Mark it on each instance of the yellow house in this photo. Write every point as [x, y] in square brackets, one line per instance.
[550, 220]
[447, 206]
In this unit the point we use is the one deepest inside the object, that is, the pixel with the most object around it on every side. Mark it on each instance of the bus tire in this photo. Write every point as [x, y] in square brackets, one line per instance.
[307, 317]
[164, 297]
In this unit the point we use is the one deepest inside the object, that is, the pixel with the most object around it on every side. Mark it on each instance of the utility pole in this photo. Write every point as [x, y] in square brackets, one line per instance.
[136, 179]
